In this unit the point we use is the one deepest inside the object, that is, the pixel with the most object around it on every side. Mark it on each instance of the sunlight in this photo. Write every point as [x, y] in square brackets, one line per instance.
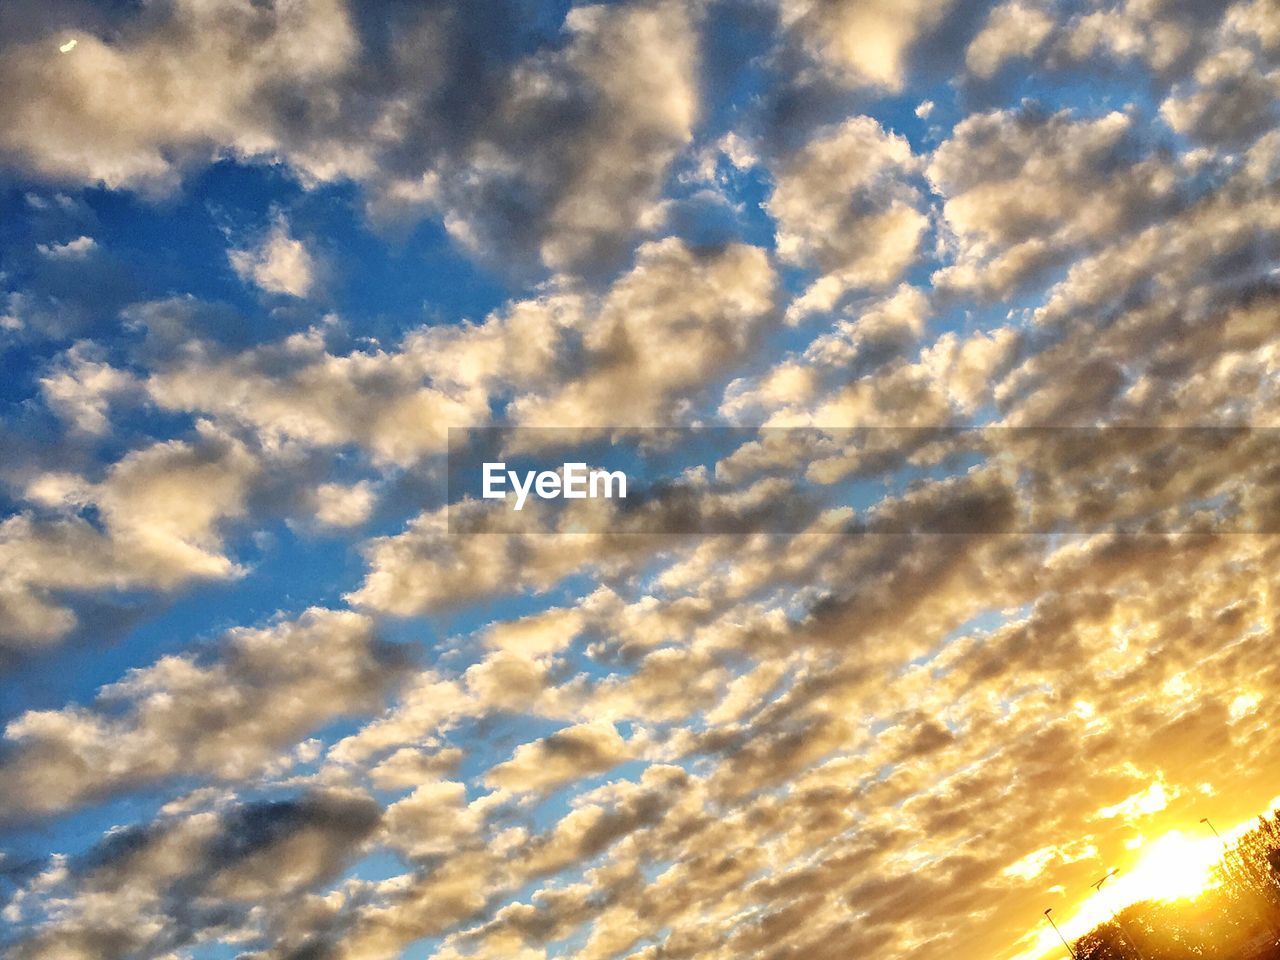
[1174, 867]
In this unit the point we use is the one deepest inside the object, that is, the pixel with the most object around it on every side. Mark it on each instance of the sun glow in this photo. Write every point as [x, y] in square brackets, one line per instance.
[1175, 867]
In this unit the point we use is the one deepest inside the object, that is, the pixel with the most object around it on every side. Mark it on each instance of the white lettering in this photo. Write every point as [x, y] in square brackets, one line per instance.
[522, 491]
[494, 476]
[608, 479]
[548, 484]
[573, 482]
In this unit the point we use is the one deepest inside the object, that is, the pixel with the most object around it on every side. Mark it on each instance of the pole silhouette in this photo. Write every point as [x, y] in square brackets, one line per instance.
[1071, 953]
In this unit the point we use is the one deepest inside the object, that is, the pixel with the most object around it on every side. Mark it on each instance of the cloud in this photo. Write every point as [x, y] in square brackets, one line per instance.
[76, 249]
[843, 203]
[868, 336]
[663, 747]
[433, 819]
[1162, 36]
[862, 43]
[278, 263]
[977, 718]
[148, 890]
[568, 357]
[62, 122]
[410, 767]
[431, 901]
[426, 568]
[295, 390]
[220, 717]
[82, 386]
[429, 704]
[344, 506]
[1012, 30]
[1023, 188]
[580, 140]
[564, 756]
[1254, 19]
[546, 160]
[465, 553]
[160, 511]
[713, 302]
[1230, 102]
[1185, 254]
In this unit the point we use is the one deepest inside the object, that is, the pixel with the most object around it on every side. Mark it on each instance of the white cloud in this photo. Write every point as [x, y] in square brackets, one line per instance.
[160, 511]
[1012, 30]
[278, 263]
[399, 404]
[863, 42]
[564, 756]
[219, 718]
[337, 505]
[81, 387]
[76, 249]
[843, 203]
[1025, 188]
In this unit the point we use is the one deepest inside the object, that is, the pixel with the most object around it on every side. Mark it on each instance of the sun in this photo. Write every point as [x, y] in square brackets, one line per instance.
[1174, 867]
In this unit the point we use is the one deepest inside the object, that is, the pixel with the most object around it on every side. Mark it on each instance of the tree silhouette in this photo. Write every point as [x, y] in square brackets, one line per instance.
[1249, 873]
[1103, 942]
[1237, 917]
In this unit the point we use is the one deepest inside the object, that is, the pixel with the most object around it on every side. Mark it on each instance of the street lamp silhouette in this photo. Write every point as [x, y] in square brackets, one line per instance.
[1071, 953]
[1209, 823]
[1124, 935]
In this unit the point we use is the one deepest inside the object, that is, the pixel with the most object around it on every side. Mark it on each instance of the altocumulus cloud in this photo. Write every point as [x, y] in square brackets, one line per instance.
[259, 258]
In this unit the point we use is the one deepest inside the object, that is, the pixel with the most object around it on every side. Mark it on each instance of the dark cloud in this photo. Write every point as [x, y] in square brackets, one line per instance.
[176, 880]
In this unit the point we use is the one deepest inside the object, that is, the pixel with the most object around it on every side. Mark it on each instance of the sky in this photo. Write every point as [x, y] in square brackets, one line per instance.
[260, 699]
